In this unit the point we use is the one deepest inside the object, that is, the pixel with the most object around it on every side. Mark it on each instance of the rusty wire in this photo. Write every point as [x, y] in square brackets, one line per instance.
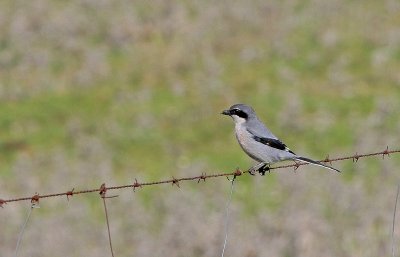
[202, 177]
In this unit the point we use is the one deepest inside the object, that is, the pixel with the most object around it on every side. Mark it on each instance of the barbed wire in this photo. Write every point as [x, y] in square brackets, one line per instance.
[175, 181]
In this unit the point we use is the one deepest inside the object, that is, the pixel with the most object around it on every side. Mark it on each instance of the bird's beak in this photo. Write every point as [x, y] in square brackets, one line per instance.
[226, 112]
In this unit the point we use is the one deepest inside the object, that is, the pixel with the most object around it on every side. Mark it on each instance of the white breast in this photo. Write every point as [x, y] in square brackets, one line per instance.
[248, 144]
[256, 150]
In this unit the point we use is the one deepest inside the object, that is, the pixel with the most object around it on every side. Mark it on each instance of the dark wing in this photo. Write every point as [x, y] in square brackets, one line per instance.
[274, 143]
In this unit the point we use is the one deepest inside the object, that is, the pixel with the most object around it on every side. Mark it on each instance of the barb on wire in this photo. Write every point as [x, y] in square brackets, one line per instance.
[356, 157]
[227, 211]
[175, 182]
[103, 190]
[135, 185]
[386, 152]
[203, 176]
[328, 160]
[70, 193]
[34, 204]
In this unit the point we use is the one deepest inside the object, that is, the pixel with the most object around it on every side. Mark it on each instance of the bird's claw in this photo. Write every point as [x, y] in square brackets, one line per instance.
[262, 169]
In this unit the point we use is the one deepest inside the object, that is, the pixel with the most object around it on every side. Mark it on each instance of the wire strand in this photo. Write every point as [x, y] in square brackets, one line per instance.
[175, 181]
[108, 225]
[394, 218]
[33, 205]
[227, 216]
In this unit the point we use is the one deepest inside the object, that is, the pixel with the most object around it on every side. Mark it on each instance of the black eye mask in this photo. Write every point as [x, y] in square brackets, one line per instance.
[239, 113]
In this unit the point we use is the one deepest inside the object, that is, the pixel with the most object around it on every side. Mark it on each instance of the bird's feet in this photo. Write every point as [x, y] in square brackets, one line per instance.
[260, 168]
[264, 168]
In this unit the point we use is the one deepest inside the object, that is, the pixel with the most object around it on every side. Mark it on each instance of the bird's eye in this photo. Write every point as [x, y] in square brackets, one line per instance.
[240, 113]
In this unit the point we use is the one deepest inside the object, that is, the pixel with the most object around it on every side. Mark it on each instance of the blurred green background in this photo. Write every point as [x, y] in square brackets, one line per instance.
[95, 91]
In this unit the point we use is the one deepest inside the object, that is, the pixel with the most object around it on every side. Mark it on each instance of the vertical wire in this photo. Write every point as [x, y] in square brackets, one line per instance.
[108, 226]
[33, 205]
[227, 216]
[394, 218]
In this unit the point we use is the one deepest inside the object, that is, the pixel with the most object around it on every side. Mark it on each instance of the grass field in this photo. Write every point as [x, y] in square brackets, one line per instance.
[108, 91]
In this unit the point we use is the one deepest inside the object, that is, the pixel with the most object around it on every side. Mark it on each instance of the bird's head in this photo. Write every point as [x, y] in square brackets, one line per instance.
[240, 113]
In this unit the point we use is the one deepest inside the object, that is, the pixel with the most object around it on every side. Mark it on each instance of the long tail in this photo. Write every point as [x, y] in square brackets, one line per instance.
[304, 159]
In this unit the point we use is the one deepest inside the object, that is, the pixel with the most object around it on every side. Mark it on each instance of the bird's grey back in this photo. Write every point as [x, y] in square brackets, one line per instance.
[257, 128]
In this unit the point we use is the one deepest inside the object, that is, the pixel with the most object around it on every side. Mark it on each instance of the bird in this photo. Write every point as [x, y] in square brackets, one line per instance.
[258, 142]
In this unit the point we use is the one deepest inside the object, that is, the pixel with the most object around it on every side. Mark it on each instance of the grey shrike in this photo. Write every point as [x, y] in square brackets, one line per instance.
[259, 143]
